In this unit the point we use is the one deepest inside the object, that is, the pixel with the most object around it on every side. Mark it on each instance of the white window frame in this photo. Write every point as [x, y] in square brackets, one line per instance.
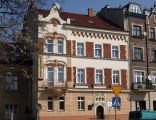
[134, 53]
[115, 57]
[50, 101]
[59, 72]
[59, 45]
[141, 26]
[52, 45]
[141, 77]
[153, 77]
[12, 82]
[154, 18]
[100, 49]
[135, 9]
[62, 100]
[150, 33]
[84, 48]
[51, 81]
[12, 109]
[118, 76]
[152, 55]
[81, 101]
[77, 76]
[95, 73]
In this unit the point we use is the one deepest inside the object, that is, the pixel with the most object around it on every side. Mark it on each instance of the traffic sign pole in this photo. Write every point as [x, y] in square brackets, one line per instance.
[115, 113]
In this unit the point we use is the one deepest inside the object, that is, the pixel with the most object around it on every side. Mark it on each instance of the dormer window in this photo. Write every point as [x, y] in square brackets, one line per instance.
[135, 9]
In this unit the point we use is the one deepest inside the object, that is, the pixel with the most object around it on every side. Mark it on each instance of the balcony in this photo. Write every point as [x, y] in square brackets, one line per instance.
[141, 86]
[44, 84]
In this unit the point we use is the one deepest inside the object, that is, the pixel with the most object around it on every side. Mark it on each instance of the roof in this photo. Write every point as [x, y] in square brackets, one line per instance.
[85, 20]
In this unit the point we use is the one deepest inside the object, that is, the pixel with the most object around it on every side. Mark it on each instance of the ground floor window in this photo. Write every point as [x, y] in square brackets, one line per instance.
[61, 103]
[50, 103]
[10, 112]
[140, 105]
[81, 103]
[154, 105]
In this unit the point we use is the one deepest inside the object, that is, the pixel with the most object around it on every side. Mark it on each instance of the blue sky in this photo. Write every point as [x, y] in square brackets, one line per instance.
[81, 6]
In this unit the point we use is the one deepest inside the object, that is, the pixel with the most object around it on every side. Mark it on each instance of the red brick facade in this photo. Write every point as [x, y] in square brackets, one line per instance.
[122, 52]
[89, 49]
[108, 77]
[124, 79]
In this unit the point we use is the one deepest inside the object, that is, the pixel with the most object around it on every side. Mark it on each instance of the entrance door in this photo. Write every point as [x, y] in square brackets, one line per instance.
[100, 112]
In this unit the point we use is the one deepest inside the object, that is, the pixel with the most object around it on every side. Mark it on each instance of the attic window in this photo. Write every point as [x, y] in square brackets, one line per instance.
[135, 9]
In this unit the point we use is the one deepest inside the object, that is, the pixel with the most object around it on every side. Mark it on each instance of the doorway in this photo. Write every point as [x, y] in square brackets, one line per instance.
[100, 112]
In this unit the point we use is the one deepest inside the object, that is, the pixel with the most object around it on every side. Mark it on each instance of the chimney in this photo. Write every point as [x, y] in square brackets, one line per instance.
[90, 12]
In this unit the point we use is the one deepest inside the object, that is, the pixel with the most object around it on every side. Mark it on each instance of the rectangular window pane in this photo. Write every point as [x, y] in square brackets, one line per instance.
[99, 76]
[98, 50]
[138, 53]
[153, 77]
[50, 103]
[81, 76]
[136, 30]
[50, 75]
[114, 51]
[49, 46]
[153, 56]
[60, 46]
[138, 77]
[81, 104]
[152, 33]
[10, 112]
[61, 103]
[80, 49]
[115, 77]
[61, 74]
[12, 82]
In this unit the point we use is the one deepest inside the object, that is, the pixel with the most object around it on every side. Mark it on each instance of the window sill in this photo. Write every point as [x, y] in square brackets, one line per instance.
[80, 110]
[137, 60]
[49, 110]
[140, 36]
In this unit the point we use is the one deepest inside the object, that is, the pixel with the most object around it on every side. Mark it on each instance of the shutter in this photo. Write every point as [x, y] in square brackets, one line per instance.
[107, 50]
[122, 52]
[90, 77]
[108, 77]
[89, 49]
[74, 75]
[123, 78]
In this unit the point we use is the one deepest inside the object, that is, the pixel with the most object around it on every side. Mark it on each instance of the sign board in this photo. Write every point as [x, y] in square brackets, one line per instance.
[116, 90]
[116, 102]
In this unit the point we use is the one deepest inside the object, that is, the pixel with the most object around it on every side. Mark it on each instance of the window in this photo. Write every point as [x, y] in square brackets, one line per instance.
[98, 77]
[50, 103]
[138, 77]
[98, 50]
[50, 79]
[153, 56]
[10, 112]
[138, 53]
[154, 105]
[49, 46]
[136, 30]
[152, 33]
[135, 9]
[61, 103]
[60, 74]
[153, 78]
[116, 77]
[80, 49]
[12, 82]
[81, 103]
[80, 76]
[60, 46]
[140, 105]
[115, 52]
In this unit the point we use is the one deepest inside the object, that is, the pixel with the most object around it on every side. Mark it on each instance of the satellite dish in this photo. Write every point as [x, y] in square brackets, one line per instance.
[150, 77]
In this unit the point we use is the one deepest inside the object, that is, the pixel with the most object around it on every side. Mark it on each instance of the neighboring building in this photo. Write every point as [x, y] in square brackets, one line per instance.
[15, 87]
[142, 43]
[80, 58]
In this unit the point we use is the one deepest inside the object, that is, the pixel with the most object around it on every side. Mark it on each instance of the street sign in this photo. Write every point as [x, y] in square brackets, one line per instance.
[116, 102]
[116, 90]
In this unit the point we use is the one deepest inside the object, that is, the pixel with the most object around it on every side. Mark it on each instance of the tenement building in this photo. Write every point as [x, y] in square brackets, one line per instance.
[142, 43]
[80, 58]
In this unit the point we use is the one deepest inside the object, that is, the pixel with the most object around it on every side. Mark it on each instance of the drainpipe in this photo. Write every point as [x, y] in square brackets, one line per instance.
[147, 65]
